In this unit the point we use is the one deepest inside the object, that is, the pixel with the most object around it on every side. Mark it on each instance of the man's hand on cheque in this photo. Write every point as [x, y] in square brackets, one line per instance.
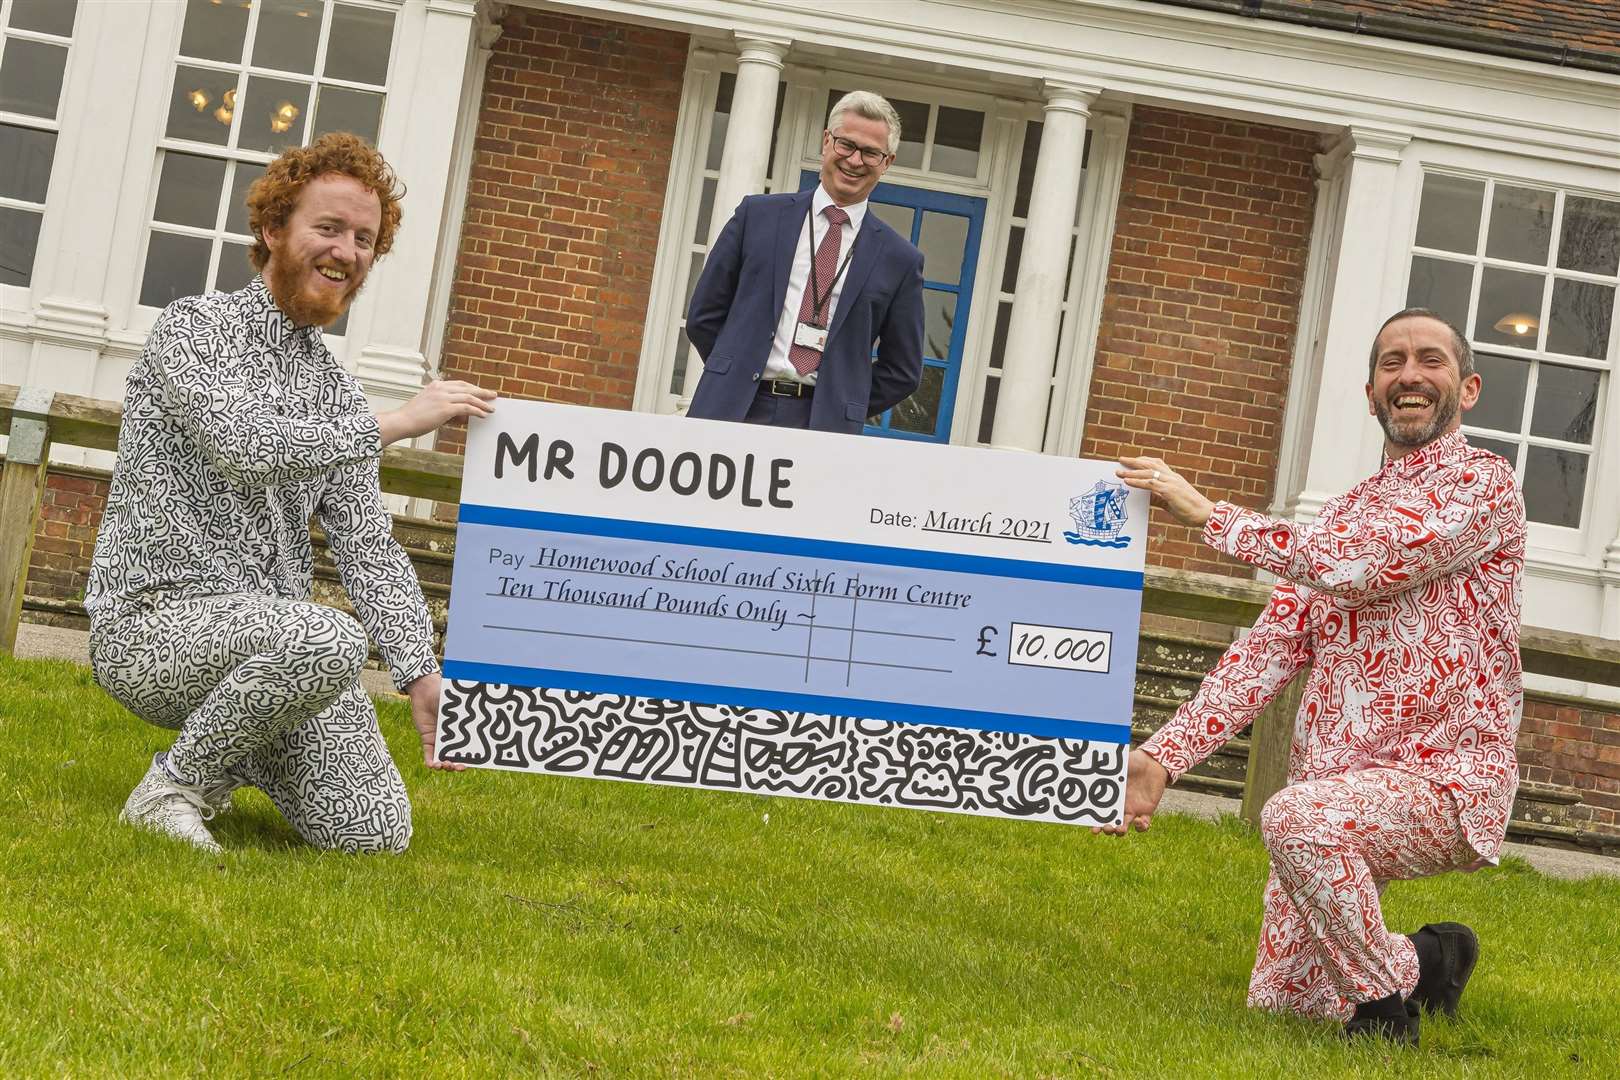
[1145, 781]
[1169, 489]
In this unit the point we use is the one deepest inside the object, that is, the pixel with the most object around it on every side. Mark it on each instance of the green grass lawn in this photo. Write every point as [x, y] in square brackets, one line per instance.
[550, 926]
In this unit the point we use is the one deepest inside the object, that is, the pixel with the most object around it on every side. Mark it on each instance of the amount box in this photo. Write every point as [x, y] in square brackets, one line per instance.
[1067, 647]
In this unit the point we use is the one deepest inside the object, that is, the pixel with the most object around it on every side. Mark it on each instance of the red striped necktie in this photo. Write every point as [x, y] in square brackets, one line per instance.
[804, 359]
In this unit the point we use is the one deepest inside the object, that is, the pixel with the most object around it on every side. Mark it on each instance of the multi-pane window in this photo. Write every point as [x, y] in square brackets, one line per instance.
[1531, 275]
[34, 39]
[251, 79]
[1009, 279]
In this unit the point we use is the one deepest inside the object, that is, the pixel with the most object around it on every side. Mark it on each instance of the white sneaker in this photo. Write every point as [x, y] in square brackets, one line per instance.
[160, 805]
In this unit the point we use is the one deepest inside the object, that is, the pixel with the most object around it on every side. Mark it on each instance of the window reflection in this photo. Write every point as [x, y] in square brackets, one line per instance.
[188, 190]
[1441, 285]
[1589, 239]
[1521, 224]
[939, 319]
[943, 242]
[1554, 486]
[1566, 403]
[1448, 214]
[176, 266]
[288, 34]
[25, 162]
[1501, 396]
[19, 239]
[214, 31]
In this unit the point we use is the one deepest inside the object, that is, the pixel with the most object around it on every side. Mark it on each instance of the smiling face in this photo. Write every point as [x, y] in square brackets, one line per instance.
[846, 177]
[1418, 392]
[320, 258]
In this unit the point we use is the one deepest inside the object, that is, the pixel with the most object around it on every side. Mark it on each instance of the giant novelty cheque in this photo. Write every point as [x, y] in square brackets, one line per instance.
[744, 608]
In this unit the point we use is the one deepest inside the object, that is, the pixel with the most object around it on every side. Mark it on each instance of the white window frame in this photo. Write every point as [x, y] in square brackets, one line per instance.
[1557, 550]
[18, 298]
[144, 316]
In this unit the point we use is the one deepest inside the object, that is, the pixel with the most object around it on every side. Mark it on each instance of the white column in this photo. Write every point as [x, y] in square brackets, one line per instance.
[745, 159]
[1305, 371]
[92, 164]
[1340, 441]
[1099, 199]
[418, 138]
[486, 32]
[1610, 576]
[1032, 332]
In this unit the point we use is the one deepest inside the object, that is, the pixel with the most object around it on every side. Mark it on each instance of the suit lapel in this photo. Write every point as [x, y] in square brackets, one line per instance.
[788, 227]
[869, 243]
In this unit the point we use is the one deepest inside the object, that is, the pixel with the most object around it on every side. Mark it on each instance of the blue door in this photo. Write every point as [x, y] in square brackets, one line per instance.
[946, 228]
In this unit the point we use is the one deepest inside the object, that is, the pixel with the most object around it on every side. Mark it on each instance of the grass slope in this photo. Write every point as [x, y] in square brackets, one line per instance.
[579, 928]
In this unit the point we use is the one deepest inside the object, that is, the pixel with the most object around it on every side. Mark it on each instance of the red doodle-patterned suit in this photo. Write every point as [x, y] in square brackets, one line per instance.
[1403, 598]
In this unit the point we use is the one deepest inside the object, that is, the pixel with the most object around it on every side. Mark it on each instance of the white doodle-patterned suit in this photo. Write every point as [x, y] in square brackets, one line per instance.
[1403, 598]
[238, 426]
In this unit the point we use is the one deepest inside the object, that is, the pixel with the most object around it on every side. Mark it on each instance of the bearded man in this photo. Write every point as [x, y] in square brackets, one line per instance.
[238, 426]
[1403, 600]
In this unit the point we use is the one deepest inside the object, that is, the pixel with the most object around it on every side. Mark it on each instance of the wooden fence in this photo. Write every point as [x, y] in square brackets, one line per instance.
[38, 419]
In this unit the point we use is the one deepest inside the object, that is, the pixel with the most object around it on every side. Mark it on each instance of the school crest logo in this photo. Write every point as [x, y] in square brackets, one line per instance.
[1099, 517]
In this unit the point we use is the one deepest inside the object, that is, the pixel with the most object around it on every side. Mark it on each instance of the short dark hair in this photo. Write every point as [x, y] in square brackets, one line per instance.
[1459, 340]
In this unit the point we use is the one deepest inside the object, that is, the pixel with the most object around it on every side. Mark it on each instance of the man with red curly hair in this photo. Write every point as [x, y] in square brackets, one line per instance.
[238, 426]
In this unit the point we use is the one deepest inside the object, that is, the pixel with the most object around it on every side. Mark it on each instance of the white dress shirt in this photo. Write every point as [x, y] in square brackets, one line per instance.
[777, 365]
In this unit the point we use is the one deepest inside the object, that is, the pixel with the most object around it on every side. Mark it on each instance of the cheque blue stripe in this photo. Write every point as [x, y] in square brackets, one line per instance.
[476, 514]
[586, 682]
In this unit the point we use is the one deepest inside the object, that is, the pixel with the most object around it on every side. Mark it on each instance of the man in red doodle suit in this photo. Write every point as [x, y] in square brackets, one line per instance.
[1402, 599]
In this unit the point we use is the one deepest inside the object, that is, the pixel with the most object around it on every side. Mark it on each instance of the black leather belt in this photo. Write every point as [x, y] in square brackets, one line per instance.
[786, 388]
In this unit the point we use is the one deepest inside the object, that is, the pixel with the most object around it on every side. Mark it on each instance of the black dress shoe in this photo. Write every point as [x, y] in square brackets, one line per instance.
[1447, 953]
[1388, 1018]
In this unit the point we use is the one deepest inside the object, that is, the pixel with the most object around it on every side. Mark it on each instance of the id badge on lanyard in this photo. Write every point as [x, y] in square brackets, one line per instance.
[812, 334]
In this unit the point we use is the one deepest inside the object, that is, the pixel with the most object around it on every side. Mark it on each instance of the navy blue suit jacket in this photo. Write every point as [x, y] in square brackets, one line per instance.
[732, 318]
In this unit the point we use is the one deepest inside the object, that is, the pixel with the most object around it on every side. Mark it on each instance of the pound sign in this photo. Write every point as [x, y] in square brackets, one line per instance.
[985, 635]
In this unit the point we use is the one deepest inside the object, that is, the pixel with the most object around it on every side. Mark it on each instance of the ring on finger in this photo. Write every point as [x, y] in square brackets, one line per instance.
[1155, 476]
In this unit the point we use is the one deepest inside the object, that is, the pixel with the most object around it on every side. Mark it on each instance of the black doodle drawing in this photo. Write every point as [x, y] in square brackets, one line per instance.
[806, 755]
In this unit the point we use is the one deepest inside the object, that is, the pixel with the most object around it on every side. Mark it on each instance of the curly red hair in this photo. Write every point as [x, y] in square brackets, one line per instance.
[271, 199]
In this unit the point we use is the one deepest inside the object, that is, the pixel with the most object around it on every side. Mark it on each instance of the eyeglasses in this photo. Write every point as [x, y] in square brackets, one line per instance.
[870, 155]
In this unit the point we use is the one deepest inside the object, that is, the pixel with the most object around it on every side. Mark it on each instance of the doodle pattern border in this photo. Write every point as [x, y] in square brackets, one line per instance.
[772, 752]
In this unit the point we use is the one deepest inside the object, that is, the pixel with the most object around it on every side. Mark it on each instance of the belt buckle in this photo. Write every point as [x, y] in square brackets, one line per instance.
[786, 388]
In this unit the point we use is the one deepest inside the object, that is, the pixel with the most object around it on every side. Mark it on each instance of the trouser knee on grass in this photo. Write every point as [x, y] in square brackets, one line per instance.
[1334, 842]
[263, 691]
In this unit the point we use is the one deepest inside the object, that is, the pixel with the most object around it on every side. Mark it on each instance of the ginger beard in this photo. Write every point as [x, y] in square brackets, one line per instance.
[321, 255]
[307, 302]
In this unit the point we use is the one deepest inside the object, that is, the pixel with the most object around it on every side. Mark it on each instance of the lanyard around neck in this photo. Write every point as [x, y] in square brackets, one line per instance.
[819, 300]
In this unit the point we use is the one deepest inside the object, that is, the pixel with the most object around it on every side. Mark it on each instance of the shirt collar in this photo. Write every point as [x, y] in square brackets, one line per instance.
[261, 310]
[1430, 454]
[856, 211]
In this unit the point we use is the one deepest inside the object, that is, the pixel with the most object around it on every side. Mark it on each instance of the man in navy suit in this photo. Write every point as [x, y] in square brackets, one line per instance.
[786, 335]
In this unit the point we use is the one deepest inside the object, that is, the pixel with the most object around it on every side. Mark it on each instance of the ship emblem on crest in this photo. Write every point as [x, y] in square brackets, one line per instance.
[1099, 517]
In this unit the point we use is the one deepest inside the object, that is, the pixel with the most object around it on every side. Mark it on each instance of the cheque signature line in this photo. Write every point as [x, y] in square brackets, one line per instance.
[747, 588]
[808, 621]
[987, 536]
[712, 648]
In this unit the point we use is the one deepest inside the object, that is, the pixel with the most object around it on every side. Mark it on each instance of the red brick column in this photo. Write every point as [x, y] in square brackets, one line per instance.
[1564, 744]
[69, 518]
[1200, 310]
[575, 133]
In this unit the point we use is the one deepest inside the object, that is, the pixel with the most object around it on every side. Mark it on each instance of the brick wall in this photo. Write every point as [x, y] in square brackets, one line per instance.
[1562, 743]
[69, 518]
[572, 155]
[1200, 310]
